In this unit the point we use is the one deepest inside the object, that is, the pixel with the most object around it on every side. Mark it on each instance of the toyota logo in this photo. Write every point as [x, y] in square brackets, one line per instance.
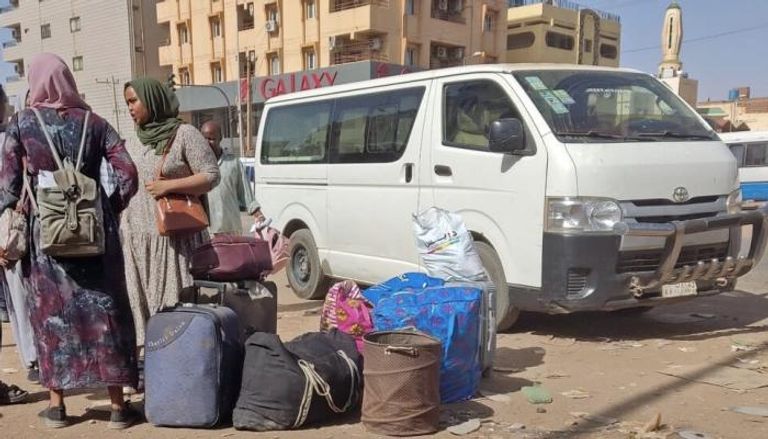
[680, 195]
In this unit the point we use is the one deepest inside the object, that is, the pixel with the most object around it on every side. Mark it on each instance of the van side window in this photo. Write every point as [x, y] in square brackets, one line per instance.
[738, 152]
[297, 133]
[757, 154]
[469, 110]
[374, 128]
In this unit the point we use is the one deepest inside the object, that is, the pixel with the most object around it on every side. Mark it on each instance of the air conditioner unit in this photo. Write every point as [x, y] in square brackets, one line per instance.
[271, 26]
[458, 53]
[443, 5]
[332, 43]
[442, 52]
[375, 44]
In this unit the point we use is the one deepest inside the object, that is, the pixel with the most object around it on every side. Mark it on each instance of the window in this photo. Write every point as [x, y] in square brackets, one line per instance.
[296, 134]
[309, 9]
[738, 152]
[215, 27]
[184, 77]
[559, 41]
[77, 63]
[411, 56]
[374, 128]
[310, 59]
[520, 41]
[74, 24]
[612, 106]
[469, 110]
[757, 154]
[216, 73]
[272, 14]
[274, 64]
[183, 34]
[608, 51]
[489, 21]
[410, 7]
[45, 31]
[588, 46]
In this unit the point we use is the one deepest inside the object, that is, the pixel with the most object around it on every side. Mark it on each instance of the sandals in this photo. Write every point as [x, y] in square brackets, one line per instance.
[12, 394]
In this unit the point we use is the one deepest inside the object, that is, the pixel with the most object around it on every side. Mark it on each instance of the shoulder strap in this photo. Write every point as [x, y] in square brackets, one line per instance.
[167, 150]
[48, 138]
[82, 142]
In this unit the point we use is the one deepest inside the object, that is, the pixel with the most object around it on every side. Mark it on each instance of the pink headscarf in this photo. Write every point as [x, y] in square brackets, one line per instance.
[51, 84]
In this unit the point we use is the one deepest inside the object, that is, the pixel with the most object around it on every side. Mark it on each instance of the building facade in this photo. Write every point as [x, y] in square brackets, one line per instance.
[741, 113]
[104, 47]
[214, 41]
[561, 31]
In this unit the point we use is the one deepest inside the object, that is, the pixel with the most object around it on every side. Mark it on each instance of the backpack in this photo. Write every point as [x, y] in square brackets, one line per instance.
[69, 207]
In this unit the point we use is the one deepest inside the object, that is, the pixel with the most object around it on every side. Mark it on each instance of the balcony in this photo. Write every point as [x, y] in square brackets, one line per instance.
[169, 55]
[454, 17]
[166, 11]
[443, 56]
[349, 51]
[10, 43]
[342, 5]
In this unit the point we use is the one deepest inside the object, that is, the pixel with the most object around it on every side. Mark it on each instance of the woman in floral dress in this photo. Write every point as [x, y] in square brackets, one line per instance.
[79, 307]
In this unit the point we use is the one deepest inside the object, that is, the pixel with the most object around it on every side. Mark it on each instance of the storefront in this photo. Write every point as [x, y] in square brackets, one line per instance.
[201, 103]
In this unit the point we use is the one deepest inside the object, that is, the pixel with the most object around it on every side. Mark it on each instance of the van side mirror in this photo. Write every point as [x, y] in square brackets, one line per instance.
[507, 136]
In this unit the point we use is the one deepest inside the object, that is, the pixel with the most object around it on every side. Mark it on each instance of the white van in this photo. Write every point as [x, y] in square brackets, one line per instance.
[751, 151]
[585, 188]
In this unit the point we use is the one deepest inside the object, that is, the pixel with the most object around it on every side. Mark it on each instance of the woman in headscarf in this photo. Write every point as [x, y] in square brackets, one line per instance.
[157, 268]
[79, 307]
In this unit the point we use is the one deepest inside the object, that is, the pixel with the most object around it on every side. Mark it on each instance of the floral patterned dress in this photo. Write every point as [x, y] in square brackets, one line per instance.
[79, 307]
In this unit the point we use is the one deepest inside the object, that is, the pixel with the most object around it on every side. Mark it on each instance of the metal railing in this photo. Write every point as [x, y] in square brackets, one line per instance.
[455, 17]
[341, 5]
[565, 4]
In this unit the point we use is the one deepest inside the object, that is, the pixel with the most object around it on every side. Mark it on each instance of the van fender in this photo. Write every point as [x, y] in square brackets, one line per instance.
[296, 216]
[486, 229]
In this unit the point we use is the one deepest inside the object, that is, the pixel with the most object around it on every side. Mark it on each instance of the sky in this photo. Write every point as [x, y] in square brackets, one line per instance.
[738, 58]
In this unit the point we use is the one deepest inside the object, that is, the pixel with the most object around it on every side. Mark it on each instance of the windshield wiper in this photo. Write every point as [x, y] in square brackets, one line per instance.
[596, 135]
[674, 135]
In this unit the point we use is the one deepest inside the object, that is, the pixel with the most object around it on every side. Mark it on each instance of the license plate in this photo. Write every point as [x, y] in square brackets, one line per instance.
[679, 290]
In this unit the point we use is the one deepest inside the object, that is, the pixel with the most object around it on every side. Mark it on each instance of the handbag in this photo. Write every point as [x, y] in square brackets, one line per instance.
[13, 224]
[230, 258]
[178, 214]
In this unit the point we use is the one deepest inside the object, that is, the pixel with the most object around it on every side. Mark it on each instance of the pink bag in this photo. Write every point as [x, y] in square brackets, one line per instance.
[278, 247]
[346, 309]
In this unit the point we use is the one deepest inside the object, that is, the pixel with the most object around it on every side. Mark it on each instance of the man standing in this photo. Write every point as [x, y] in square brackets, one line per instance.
[233, 194]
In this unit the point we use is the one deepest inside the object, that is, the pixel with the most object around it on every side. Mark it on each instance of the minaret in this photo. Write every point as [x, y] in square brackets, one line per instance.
[671, 41]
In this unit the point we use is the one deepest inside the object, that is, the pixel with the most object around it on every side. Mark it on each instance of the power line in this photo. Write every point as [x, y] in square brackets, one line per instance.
[705, 37]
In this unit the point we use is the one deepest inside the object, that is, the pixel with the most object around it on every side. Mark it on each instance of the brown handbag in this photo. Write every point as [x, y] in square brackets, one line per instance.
[178, 214]
[231, 258]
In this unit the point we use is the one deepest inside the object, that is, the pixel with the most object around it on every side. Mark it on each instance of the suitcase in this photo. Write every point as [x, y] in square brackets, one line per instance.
[255, 303]
[193, 362]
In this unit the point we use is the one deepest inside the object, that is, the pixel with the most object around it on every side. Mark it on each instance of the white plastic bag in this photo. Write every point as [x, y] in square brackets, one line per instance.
[446, 247]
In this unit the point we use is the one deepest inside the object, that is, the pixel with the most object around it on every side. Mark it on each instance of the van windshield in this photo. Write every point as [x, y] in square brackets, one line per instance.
[599, 106]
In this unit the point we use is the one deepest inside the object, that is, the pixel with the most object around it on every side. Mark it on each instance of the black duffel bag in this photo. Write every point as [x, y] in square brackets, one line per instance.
[315, 377]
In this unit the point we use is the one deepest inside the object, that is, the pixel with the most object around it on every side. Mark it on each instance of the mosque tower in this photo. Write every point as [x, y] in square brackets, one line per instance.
[671, 41]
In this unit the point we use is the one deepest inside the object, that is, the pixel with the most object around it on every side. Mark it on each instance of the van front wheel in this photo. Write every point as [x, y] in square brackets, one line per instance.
[305, 275]
[506, 314]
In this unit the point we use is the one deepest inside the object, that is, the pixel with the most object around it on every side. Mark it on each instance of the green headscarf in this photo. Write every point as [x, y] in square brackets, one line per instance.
[163, 107]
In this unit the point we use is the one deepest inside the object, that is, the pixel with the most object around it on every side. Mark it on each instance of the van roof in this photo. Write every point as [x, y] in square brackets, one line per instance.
[744, 136]
[440, 73]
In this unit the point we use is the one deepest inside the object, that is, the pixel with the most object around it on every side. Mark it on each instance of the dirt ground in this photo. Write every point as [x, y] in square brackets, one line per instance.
[602, 371]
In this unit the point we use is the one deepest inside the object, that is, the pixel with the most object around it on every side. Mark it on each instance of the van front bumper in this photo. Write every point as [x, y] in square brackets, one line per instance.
[590, 272]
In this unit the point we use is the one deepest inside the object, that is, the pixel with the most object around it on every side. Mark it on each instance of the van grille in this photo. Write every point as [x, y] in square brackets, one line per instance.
[649, 260]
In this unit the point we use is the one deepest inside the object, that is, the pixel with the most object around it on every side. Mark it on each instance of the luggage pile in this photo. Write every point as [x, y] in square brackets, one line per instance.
[427, 339]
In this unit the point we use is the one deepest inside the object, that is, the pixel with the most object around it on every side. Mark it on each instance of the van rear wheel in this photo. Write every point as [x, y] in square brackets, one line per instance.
[506, 314]
[305, 275]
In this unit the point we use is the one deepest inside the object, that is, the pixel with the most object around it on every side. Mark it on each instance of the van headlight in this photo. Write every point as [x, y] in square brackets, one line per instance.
[733, 202]
[570, 215]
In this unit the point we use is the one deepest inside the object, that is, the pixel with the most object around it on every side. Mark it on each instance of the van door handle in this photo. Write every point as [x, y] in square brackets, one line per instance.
[443, 171]
[408, 172]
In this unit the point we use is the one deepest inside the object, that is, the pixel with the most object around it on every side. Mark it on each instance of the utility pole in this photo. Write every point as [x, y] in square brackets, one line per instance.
[113, 82]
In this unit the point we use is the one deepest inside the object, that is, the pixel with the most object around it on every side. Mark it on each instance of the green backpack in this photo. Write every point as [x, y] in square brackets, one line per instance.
[69, 208]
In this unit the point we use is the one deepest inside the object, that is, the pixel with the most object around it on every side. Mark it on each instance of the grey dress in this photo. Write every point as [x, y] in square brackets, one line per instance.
[157, 267]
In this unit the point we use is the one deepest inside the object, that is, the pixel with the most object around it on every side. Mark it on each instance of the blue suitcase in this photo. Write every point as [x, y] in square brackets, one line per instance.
[192, 367]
